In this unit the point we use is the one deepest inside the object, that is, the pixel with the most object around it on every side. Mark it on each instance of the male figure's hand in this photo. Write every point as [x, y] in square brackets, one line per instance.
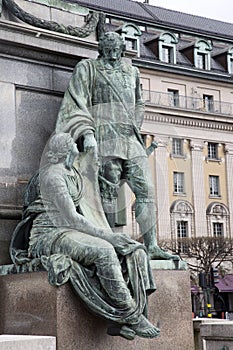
[90, 144]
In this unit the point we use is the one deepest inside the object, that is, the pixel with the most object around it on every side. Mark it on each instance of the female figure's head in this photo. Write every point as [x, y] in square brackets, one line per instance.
[62, 148]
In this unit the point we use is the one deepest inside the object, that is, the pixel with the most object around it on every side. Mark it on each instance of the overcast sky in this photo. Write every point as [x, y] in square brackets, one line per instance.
[221, 10]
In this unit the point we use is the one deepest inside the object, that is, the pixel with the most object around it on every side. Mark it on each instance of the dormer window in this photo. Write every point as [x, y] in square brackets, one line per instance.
[202, 50]
[230, 60]
[131, 34]
[164, 47]
[224, 58]
[167, 48]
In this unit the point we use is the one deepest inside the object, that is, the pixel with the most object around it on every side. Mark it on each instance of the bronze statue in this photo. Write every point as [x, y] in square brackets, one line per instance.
[103, 111]
[110, 272]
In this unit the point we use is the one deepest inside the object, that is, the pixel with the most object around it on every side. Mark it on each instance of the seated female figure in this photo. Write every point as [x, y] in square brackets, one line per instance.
[110, 272]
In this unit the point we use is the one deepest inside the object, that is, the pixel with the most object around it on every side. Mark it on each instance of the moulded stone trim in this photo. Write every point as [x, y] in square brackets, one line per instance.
[185, 122]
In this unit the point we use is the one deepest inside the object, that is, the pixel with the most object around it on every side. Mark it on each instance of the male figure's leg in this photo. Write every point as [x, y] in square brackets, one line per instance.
[137, 173]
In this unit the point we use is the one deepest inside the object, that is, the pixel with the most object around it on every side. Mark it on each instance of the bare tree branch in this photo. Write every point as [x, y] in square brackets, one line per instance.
[203, 251]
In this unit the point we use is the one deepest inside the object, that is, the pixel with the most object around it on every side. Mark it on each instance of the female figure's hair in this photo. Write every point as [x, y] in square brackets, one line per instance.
[59, 145]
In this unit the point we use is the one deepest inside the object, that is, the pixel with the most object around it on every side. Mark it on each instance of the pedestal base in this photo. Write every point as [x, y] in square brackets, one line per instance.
[29, 305]
[27, 342]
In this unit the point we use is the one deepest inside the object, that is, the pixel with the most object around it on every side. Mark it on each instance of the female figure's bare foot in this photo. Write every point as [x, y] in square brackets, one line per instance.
[145, 328]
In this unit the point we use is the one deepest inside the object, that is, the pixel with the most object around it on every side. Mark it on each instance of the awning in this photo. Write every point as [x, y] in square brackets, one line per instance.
[225, 284]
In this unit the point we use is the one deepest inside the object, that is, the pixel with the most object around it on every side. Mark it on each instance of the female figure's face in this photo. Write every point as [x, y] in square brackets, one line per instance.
[72, 154]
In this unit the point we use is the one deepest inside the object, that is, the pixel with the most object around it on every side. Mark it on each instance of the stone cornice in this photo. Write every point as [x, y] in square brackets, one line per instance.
[177, 120]
[20, 37]
[186, 71]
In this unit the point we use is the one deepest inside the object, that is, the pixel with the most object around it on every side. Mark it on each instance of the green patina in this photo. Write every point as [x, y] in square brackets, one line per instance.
[103, 110]
[66, 6]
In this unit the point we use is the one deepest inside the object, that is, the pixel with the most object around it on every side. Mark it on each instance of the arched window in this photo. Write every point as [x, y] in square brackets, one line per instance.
[217, 220]
[167, 47]
[202, 49]
[181, 221]
[131, 34]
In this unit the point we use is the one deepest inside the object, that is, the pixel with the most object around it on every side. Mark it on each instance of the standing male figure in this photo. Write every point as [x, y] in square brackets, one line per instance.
[103, 111]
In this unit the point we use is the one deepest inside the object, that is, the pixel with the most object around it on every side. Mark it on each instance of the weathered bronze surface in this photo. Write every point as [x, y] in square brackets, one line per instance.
[110, 272]
[103, 111]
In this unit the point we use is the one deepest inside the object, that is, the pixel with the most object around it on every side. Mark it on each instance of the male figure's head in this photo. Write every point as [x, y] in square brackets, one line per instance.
[111, 47]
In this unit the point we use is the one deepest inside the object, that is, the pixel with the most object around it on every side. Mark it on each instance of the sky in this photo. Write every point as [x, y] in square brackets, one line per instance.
[221, 10]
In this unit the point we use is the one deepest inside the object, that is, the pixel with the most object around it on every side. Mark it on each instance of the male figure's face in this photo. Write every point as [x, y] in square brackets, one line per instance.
[112, 53]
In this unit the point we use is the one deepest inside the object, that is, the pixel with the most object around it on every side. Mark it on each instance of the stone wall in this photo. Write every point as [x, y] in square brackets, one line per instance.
[35, 67]
[213, 334]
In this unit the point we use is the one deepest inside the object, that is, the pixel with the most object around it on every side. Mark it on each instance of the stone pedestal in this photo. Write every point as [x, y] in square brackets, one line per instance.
[27, 342]
[213, 334]
[29, 305]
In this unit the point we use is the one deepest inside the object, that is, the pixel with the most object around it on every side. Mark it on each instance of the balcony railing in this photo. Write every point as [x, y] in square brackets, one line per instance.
[184, 102]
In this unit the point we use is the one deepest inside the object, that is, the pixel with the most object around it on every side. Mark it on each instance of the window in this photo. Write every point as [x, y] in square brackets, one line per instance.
[130, 44]
[174, 97]
[212, 150]
[208, 102]
[230, 60]
[202, 49]
[177, 147]
[130, 34]
[182, 219]
[178, 182]
[218, 220]
[201, 60]
[167, 47]
[182, 232]
[218, 229]
[164, 46]
[231, 66]
[182, 229]
[167, 54]
[214, 185]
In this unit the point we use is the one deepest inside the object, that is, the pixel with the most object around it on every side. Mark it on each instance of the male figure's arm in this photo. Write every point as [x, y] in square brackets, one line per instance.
[139, 103]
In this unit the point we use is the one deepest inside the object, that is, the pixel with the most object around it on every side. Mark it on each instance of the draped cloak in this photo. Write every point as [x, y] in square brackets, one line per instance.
[58, 190]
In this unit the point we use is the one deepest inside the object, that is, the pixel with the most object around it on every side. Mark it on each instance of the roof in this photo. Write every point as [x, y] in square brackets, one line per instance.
[121, 7]
[154, 14]
[199, 23]
[225, 284]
